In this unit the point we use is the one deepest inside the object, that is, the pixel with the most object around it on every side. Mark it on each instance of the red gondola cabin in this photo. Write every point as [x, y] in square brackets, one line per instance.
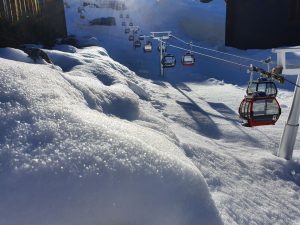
[259, 111]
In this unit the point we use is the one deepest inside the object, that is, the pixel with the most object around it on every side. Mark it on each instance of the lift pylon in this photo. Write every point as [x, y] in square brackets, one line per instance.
[289, 135]
[160, 37]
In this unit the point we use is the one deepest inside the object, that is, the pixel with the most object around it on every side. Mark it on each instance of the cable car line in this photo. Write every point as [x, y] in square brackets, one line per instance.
[275, 76]
[291, 82]
[209, 56]
[259, 106]
[278, 77]
[251, 68]
[225, 53]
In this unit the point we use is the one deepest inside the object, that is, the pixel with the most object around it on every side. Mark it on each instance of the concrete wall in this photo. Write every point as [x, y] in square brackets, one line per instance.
[262, 24]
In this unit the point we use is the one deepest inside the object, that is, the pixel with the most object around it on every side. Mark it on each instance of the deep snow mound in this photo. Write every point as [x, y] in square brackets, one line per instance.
[76, 148]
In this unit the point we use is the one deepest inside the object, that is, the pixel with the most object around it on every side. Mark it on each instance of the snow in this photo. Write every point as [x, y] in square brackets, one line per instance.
[68, 148]
[249, 184]
[15, 54]
[89, 141]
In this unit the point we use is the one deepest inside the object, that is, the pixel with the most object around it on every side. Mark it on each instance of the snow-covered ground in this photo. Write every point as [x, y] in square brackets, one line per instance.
[81, 147]
[87, 141]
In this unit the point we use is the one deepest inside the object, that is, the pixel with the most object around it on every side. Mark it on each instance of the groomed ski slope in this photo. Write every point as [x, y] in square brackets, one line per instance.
[88, 141]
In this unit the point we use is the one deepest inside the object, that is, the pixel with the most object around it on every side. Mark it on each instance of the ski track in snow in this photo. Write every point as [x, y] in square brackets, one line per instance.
[87, 141]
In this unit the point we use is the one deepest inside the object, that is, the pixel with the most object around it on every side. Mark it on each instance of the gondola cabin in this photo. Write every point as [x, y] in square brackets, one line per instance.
[127, 31]
[130, 24]
[148, 47]
[169, 61]
[141, 37]
[259, 111]
[188, 59]
[131, 38]
[262, 88]
[137, 44]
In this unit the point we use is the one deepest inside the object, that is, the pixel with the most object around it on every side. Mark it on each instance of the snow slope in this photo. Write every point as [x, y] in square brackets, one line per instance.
[78, 147]
[97, 144]
[249, 184]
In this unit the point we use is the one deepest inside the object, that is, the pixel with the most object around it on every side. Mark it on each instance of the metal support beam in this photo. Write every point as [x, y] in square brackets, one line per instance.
[289, 135]
[162, 72]
[160, 37]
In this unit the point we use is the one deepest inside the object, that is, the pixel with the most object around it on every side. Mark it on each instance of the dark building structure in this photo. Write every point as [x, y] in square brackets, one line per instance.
[261, 24]
[15, 10]
[31, 21]
[53, 16]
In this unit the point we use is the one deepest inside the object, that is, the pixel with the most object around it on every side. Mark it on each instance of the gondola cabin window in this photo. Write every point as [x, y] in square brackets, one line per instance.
[259, 108]
[262, 87]
[271, 89]
[272, 107]
[245, 109]
[295, 10]
[265, 108]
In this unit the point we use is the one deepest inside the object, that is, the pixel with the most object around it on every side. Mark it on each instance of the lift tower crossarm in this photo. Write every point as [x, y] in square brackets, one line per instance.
[146, 36]
[160, 37]
[160, 33]
[289, 135]
[275, 75]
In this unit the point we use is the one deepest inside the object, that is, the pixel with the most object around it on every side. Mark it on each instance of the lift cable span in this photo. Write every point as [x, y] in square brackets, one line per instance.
[275, 75]
[209, 56]
[267, 61]
[248, 109]
[291, 82]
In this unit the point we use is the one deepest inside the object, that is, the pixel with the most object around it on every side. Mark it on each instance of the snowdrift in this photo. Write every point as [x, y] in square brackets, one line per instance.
[77, 147]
